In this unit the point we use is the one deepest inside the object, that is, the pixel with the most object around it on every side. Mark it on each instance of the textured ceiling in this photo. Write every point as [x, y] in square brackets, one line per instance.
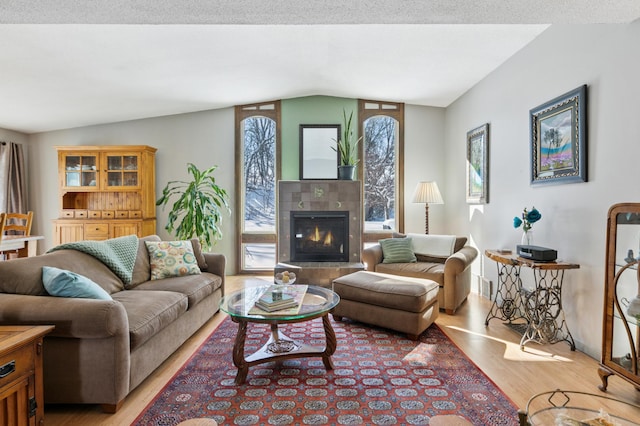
[58, 69]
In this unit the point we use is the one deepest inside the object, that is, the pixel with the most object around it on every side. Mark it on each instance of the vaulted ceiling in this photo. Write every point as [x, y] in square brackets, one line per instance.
[70, 63]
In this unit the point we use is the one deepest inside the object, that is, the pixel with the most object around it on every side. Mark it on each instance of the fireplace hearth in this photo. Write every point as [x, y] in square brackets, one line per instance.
[320, 236]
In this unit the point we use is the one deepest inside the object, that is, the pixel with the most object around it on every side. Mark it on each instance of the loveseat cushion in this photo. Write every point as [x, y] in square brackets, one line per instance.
[195, 287]
[427, 270]
[150, 311]
[24, 275]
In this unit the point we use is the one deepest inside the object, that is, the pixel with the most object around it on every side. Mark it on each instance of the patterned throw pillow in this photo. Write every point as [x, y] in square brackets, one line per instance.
[171, 259]
[397, 250]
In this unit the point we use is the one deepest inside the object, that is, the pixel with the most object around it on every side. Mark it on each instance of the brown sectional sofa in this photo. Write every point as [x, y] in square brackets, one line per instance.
[100, 350]
[452, 273]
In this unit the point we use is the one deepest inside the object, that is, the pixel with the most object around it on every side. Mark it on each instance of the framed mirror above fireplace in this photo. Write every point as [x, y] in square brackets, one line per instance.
[318, 154]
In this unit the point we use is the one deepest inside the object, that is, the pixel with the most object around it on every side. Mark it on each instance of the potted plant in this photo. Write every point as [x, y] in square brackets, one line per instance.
[347, 149]
[197, 212]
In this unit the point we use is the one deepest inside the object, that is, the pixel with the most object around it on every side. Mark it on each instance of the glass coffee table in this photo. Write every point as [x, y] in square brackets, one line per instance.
[317, 302]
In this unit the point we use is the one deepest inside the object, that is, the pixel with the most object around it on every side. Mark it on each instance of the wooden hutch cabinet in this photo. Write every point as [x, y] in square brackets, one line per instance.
[105, 192]
[621, 330]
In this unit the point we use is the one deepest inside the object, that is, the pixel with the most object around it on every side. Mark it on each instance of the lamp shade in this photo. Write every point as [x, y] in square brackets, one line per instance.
[427, 192]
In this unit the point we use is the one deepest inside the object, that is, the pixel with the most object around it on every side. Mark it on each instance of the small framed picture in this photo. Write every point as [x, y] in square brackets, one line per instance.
[478, 165]
[318, 153]
[559, 139]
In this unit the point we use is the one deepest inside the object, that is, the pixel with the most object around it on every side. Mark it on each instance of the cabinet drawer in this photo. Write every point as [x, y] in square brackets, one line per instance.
[80, 214]
[16, 364]
[122, 214]
[108, 214]
[94, 231]
[67, 213]
[95, 214]
[135, 214]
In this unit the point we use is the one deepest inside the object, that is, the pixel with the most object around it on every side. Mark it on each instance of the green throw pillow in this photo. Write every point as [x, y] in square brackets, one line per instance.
[397, 250]
[171, 259]
[61, 283]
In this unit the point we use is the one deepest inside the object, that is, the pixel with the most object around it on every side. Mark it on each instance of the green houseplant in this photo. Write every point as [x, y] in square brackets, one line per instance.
[347, 149]
[197, 212]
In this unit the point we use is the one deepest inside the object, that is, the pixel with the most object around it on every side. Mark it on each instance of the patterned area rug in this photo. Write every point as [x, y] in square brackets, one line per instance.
[380, 377]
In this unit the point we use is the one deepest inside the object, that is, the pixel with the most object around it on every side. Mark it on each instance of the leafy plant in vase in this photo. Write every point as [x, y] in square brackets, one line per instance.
[347, 149]
[527, 219]
[197, 212]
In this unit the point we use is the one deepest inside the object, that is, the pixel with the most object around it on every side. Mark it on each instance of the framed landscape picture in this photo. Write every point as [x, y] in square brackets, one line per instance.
[318, 154]
[478, 165]
[559, 139]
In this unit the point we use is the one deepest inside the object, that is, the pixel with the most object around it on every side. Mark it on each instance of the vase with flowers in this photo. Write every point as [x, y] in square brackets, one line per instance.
[526, 220]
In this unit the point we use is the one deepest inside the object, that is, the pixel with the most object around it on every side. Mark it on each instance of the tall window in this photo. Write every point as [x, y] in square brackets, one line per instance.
[382, 124]
[257, 171]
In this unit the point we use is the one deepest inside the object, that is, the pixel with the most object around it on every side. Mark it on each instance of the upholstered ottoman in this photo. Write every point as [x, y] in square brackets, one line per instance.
[405, 304]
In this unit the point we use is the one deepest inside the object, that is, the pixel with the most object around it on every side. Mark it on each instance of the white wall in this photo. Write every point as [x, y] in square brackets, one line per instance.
[203, 138]
[423, 161]
[605, 57]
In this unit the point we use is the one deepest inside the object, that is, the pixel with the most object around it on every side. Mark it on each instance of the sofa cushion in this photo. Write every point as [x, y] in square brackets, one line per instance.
[428, 270]
[24, 275]
[195, 287]
[149, 312]
[63, 283]
[397, 250]
[171, 259]
[142, 268]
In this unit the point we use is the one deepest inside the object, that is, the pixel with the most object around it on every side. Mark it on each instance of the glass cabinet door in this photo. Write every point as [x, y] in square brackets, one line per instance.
[122, 170]
[80, 171]
[621, 338]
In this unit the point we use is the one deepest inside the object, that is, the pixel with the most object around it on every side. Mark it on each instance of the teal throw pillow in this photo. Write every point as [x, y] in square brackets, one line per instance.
[397, 250]
[62, 283]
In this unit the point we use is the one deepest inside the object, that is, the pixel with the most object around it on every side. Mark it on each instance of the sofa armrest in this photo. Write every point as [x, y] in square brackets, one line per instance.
[460, 260]
[371, 256]
[72, 317]
[216, 264]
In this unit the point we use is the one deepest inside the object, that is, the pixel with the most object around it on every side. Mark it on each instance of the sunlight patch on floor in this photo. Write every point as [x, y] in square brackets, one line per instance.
[512, 350]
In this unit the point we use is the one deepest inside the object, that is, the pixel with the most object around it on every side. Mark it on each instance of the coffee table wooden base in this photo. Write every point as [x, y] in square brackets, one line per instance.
[280, 347]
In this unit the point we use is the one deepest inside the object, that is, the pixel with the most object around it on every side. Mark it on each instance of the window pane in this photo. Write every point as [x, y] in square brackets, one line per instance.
[259, 174]
[380, 136]
[258, 256]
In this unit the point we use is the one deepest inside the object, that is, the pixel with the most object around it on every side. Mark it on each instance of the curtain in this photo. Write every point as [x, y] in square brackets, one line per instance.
[13, 184]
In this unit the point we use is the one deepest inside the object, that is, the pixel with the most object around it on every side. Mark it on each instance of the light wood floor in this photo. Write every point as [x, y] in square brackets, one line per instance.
[494, 349]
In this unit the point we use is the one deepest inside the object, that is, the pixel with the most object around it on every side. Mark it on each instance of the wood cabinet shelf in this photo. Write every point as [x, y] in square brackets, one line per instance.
[21, 377]
[114, 185]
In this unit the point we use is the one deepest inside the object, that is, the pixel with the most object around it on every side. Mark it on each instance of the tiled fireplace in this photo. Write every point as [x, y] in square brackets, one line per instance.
[319, 229]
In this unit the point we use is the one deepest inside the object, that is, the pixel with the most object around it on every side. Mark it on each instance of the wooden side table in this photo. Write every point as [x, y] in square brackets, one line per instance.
[541, 307]
[21, 386]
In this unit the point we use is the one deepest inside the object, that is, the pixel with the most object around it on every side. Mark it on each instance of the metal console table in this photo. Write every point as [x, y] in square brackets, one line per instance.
[541, 308]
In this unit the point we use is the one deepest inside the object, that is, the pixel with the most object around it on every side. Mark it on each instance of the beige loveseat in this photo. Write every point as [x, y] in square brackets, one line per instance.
[100, 350]
[452, 272]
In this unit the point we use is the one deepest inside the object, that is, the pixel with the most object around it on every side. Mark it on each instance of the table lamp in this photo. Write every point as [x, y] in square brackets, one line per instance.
[427, 193]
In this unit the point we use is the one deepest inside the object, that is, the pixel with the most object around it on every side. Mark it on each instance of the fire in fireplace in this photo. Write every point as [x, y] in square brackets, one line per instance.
[320, 236]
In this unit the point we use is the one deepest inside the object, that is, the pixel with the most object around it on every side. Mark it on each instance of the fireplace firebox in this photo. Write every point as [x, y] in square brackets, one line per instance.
[320, 236]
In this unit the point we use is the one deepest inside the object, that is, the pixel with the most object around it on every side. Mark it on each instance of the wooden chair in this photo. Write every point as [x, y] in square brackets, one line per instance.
[14, 224]
[18, 223]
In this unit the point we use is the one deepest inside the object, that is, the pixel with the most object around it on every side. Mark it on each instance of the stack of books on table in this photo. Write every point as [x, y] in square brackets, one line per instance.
[272, 301]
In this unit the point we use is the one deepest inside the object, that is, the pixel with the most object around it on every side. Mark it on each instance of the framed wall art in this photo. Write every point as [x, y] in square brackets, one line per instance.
[318, 154]
[559, 139]
[478, 165]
